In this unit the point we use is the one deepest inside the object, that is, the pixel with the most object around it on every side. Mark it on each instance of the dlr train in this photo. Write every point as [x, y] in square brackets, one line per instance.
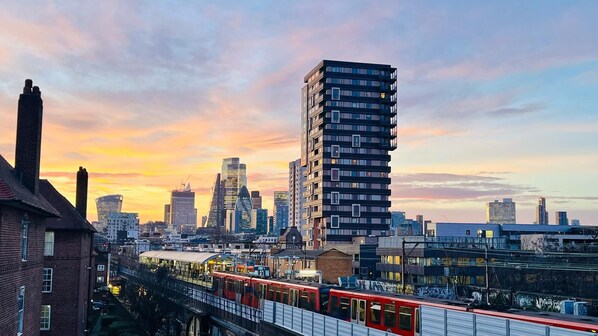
[396, 313]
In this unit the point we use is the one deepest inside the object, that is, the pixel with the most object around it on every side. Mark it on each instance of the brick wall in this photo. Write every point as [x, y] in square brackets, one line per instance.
[14, 273]
[334, 264]
[69, 296]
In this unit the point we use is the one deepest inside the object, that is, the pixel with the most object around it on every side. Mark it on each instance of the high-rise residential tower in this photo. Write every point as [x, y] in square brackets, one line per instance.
[216, 213]
[541, 213]
[183, 214]
[281, 211]
[234, 177]
[348, 118]
[297, 195]
[501, 212]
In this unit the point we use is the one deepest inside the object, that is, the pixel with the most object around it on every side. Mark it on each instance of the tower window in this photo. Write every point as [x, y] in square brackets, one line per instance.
[334, 221]
[335, 116]
[335, 174]
[335, 151]
[356, 140]
[356, 210]
[334, 197]
[336, 93]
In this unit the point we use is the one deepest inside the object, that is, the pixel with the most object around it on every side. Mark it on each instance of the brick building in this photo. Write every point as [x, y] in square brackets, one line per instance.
[23, 215]
[333, 263]
[68, 263]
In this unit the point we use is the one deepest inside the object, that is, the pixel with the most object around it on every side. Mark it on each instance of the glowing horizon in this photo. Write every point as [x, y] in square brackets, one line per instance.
[496, 100]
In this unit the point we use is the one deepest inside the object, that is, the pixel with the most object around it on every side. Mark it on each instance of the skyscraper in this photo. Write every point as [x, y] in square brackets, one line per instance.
[561, 218]
[256, 200]
[348, 129]
[259, 221]
[281, 211]
[541, 213]
[105, 205]
[216, 212]
[234, 177]
[297, 195]
[501, 212]
[183, 214]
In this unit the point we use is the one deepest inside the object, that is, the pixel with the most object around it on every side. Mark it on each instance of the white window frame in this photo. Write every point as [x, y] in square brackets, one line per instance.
[49, 243]
[46, 317]
[335, 116]
[337, 151]
[47, 283]
[356, 140]
[335, 197]
[24, 238]
[332, 220]
[101, 268]
[332, 93]
[20, 310]
[356, 213]
[332, 174]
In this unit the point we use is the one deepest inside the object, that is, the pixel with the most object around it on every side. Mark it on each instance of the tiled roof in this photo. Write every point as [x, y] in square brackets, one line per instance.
[69, 219]
[14, 193]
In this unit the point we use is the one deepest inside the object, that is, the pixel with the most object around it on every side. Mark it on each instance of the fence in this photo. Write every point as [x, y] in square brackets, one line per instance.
[444, 322]
[313, 324]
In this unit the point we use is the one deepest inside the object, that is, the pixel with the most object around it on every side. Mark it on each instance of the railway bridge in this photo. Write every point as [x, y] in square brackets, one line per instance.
[205, 314]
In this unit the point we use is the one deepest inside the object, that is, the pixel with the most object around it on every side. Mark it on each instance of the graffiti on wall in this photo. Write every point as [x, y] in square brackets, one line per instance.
[436, 292]
[544, 303]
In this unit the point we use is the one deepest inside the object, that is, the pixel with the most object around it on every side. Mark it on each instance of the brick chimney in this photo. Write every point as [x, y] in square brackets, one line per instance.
[81, 203]
[29, 136]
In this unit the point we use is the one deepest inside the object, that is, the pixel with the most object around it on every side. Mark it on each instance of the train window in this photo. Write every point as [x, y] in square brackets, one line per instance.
[324, 301]
[279, 294]
[344, 309]
[334, 306]
[285, 296]
[312, 301]
[362, 310]
[294, 298]
[304, 300]
[405, 318]
[354, 310]
[375, 312]
[272, 294]
[390, 315]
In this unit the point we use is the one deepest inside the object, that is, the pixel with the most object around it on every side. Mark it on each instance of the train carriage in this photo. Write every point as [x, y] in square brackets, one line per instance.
[250, 290]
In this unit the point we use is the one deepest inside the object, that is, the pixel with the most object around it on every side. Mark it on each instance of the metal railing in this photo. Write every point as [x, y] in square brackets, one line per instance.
[445, 322]
[314, 324]
[197, 298]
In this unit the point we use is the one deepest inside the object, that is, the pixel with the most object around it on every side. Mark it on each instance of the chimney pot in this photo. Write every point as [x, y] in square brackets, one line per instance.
[29, 136]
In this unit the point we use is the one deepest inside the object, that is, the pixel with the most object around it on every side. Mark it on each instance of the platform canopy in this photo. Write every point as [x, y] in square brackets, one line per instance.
[192, 257]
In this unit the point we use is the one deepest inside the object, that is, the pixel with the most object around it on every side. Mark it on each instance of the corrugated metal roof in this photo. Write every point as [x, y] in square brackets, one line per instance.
[197, 257]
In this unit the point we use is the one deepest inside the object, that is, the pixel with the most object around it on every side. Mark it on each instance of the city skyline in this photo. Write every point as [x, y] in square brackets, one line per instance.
[486, 110]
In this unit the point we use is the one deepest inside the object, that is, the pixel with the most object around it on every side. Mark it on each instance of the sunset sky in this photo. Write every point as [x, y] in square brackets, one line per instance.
[496, 99]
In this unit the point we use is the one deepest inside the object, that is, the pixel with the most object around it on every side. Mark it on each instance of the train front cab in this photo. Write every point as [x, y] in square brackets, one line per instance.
[376, 312]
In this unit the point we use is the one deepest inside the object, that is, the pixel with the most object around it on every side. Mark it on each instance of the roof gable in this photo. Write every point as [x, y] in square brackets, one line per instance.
[13, 193]
[69, 219]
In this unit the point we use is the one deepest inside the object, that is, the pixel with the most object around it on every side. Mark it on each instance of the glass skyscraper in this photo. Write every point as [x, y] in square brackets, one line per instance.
[348, 118]
[234, 177]
[105, 205]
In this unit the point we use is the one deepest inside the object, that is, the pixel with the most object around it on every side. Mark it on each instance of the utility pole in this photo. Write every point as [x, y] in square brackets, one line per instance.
[403, 266]
[487, 274]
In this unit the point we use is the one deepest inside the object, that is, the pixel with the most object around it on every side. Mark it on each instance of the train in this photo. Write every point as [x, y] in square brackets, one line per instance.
[399, 314]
